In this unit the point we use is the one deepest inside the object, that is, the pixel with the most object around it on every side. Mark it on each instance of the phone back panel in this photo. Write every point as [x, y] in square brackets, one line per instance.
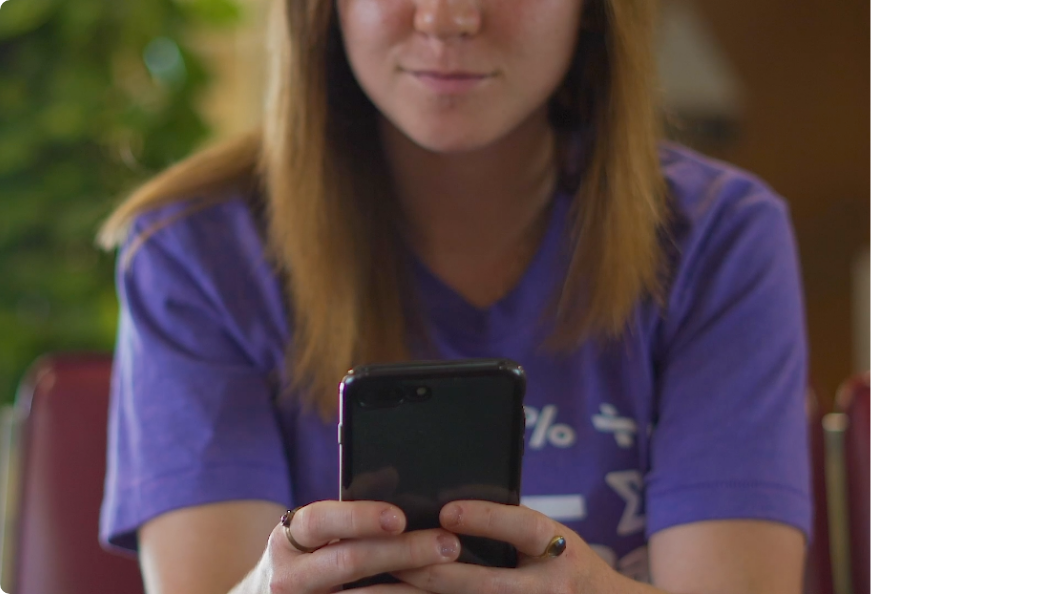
[420, 435]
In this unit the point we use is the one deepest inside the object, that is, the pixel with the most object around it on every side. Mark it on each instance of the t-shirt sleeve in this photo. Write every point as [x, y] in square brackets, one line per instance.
[192, 418]
[730, 437]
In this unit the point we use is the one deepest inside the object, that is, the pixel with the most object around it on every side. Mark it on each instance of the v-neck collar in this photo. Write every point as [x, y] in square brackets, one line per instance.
[450, 317]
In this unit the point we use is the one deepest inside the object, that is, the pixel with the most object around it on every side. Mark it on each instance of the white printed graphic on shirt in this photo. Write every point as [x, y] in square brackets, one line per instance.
[545, 431]
[634, 565]
[628, 485]
[561, 508]
[622, 428]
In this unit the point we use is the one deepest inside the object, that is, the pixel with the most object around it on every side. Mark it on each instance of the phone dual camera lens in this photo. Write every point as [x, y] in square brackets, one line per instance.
[418, 394]
[393, 396]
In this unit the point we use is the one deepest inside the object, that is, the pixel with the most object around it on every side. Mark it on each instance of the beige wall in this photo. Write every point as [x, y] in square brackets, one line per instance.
[236, 59]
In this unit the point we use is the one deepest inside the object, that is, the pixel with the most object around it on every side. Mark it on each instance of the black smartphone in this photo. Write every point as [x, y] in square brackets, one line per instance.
[422, 434]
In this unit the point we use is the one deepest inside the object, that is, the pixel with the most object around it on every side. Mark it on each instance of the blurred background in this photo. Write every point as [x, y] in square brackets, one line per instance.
[97, 95]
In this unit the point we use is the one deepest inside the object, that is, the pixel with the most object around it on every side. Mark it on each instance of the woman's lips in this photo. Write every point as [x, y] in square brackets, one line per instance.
[449, 83]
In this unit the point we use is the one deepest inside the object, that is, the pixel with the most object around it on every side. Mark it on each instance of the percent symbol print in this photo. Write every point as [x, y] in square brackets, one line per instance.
[545, 431]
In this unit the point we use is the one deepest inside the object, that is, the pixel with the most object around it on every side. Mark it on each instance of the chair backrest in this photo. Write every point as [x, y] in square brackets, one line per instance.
[853, 401]
[62, 408]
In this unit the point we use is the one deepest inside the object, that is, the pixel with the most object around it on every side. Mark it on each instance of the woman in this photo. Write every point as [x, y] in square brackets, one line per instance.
[448, 179]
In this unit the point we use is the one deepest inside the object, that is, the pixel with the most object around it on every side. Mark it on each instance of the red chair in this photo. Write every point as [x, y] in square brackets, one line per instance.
[853, 401]
[847, 455]
[55, 464]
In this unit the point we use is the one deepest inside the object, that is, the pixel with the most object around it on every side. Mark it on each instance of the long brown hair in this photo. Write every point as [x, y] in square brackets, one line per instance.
[330, 215]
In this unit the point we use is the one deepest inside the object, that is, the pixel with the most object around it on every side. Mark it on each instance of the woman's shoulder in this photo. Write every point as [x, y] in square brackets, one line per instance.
[705, 188]
[198, 224]
[727, 228]
[206, 256]
[217, 236]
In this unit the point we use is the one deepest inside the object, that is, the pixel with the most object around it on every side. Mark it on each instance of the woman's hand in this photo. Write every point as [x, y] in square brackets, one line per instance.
[358, 539]
[578, 569]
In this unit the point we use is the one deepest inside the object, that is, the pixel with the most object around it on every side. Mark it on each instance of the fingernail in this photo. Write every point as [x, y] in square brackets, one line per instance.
[448, 546]
[454, 515]
[390, 520]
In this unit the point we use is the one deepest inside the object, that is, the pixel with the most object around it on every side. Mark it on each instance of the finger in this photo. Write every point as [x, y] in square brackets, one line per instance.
[529, 531]
[351, 560]
[323, 522]
[463, 578]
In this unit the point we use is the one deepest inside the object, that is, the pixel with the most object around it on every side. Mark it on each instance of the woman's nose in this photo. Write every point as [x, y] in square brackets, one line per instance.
[447, 18]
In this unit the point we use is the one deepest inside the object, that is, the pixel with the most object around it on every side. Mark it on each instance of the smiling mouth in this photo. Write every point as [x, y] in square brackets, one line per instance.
[449, 82]
[448, 75]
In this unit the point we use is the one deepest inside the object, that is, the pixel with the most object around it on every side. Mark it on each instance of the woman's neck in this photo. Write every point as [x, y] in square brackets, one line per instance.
[476, 218]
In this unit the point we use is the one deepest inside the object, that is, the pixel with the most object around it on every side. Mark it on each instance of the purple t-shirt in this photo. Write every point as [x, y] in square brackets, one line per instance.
[696, 415]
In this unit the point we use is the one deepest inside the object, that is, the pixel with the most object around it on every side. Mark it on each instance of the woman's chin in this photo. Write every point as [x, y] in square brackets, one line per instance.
[452, 141]
[455, 131]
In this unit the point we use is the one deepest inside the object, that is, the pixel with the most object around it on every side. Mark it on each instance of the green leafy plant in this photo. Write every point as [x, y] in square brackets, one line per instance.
[95, 96]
